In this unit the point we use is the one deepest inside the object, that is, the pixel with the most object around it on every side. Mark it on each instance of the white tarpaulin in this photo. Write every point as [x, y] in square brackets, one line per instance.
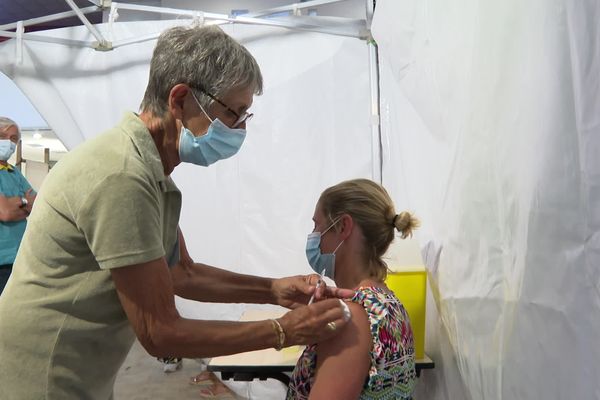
[491, 124]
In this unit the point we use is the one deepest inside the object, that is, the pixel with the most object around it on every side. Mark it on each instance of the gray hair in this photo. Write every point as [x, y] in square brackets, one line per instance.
[204, 58]
[6, 123]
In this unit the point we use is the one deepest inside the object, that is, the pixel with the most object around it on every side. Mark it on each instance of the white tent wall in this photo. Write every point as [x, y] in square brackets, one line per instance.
[491, 134]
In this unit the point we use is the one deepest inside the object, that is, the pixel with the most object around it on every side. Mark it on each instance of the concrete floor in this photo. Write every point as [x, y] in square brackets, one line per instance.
[141, 378]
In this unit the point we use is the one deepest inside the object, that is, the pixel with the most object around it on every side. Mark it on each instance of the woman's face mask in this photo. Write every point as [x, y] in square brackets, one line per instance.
[323, 264]
[219, 142]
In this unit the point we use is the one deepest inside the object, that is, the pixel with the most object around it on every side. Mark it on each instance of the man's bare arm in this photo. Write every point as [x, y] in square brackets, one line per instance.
[146, 294]
[11, 209]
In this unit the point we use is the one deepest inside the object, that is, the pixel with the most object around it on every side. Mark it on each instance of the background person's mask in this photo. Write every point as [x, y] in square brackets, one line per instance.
[7, 148]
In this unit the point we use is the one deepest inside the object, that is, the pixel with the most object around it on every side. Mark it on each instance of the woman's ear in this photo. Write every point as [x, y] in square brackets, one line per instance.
[346, 226]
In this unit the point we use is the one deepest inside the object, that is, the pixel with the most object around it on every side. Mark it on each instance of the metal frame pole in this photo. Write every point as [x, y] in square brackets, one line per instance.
[103, 44]
[297, 25]
[292, 7]
[48, 39]
[48, 18]
[376, 140]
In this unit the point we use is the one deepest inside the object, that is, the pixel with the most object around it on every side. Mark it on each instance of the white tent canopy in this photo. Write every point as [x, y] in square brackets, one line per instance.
[489, 131]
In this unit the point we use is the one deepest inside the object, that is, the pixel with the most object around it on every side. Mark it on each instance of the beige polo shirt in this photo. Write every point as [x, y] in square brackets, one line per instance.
[107, 204]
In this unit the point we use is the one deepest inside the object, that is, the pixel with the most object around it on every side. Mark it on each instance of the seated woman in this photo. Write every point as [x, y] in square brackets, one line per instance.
[373, 357]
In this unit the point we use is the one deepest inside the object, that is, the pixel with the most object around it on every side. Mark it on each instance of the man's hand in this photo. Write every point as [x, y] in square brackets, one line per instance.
[314, 323]
[30, 195]
[295, 291]
[10, 209]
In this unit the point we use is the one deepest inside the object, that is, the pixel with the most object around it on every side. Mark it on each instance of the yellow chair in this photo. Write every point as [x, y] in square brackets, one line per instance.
[410, 286]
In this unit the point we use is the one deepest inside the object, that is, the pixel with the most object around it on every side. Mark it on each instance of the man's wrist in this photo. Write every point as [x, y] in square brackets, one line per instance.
[272, 292]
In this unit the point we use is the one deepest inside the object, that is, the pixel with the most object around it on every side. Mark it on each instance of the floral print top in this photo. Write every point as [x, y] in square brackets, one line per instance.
[392, 373]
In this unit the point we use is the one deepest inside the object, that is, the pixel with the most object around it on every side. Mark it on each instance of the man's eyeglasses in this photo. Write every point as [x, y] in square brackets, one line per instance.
[246, 116]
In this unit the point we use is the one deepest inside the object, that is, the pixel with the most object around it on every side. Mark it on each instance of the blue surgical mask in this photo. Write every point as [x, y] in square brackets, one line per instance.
[219, 142]
[323, 264]
[7, 148]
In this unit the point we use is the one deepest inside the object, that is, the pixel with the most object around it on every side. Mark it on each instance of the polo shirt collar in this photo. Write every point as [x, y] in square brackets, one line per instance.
[135, 128]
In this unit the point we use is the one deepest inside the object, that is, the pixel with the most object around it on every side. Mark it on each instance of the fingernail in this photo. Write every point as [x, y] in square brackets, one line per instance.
[347, 314]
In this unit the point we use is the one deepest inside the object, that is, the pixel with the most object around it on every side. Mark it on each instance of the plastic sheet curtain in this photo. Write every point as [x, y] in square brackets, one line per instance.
[250, 213]
[491, 132]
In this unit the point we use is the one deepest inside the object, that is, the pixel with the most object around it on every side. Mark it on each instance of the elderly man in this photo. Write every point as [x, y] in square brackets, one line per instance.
[103, 255]
[16, 200]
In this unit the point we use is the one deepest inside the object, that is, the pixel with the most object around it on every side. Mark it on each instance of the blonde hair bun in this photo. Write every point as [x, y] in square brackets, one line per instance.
[405, 223]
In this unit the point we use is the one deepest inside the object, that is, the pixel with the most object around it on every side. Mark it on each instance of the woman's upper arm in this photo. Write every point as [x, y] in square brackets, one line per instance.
[343, 362]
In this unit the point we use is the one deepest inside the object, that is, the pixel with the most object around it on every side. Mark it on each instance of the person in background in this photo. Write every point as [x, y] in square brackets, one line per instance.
[373, 356]
[103, 256]
[16, 200]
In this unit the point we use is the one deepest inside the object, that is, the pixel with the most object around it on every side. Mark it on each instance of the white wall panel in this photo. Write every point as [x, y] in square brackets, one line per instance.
[491, 134]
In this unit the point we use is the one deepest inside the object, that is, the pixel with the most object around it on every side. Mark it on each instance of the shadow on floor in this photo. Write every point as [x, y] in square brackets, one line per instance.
[141, 378]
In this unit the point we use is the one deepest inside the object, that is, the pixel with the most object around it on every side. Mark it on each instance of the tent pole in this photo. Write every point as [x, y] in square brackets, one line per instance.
[48, 18]
[47, 39]
[243, 20]
[103, 44]
[168, 11]
[359, 34]
[376, 145]
[291, 7]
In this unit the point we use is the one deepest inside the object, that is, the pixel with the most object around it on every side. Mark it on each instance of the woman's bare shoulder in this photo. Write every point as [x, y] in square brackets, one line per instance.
[348, 351]
[356, 334]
